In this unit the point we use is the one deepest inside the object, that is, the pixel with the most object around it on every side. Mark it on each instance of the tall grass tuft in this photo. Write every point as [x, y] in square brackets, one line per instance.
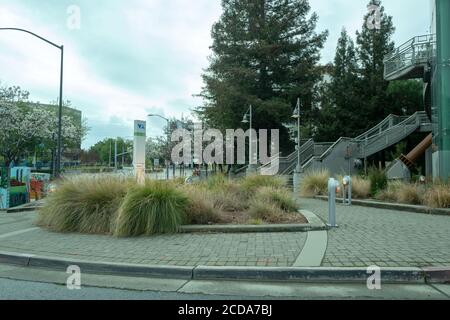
[410, 194]
[361, 187]
[155, 208]
[438, 196]
[200, 208]
[85, 204]
[253, 182]
[281, 198]
[315, 183]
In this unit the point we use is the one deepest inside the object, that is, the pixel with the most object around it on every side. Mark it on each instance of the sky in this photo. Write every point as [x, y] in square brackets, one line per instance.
[126, 59]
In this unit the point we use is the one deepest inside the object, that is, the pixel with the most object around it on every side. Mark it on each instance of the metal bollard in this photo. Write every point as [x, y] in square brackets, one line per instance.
[347, 190]
[333, 189]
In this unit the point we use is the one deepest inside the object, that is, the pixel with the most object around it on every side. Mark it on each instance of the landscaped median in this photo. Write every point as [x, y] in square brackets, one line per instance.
[118, 206]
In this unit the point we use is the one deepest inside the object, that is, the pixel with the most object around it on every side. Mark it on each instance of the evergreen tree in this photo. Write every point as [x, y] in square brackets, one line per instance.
[373, 45]
[265, 53]
[340, 97]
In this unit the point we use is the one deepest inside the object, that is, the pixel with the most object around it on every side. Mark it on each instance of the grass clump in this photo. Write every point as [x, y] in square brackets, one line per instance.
[85, 204]
[410, 194]
[361, 187]
[200, 207]
[438, 196]
[155, 208]
[251, 183]
[378, 180]
[315, 183]
[281, 198]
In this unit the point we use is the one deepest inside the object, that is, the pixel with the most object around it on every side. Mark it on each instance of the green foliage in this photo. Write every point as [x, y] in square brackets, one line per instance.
[265, 53]
[85, 204]
[378, 180]
[156, 208]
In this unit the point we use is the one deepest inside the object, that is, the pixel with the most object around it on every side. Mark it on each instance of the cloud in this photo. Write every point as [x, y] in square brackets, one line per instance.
[135, 57]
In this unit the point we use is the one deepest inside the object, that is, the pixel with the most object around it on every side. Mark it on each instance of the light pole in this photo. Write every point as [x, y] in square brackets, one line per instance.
[58, 157]
[168, 142]
[298, 169]
[248, 118]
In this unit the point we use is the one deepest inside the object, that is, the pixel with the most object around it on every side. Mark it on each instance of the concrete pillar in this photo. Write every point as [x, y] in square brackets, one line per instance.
[442, 88]
[429, 163]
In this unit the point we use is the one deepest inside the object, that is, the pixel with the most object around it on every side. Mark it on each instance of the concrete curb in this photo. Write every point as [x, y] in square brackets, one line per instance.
[251, 228]
[394, 206]
[25, 208]
[389, 275]
[314, 224]
[437, 275]
[309, 275]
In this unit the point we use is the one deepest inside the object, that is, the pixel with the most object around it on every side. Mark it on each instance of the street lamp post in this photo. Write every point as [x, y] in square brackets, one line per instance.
[58, 157]
[298, 168]
[248, 118]
[168, 141]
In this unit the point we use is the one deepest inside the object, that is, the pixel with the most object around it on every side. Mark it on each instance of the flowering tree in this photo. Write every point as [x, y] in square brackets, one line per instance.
[24, 126]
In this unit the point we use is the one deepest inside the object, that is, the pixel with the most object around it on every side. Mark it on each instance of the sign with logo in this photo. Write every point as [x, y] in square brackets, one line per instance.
[140, 128]
[139, 150]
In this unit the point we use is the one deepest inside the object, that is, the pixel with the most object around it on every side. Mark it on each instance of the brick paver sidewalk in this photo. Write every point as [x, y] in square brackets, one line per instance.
[253, 249]
[366, 236]
[369, 236]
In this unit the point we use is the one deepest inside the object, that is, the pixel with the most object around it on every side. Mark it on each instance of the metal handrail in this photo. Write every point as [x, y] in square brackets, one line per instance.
[418, 50]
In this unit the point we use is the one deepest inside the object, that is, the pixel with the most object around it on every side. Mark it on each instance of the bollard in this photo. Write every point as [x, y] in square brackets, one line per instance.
[347, 190]
[333, 189]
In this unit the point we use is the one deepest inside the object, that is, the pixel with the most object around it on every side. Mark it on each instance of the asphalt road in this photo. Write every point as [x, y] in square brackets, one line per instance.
[18, 283]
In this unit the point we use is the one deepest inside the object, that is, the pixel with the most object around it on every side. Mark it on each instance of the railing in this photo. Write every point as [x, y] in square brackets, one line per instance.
[418, 50]
[388, 132]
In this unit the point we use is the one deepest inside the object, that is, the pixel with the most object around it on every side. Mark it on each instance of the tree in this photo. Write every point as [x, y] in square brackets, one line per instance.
[265, 53]
[340, 98]
[25, 126]
[373, 45]
[105, 150]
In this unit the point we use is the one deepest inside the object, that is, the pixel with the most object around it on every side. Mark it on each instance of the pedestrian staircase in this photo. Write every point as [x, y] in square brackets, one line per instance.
[410, 60]
[340, 156]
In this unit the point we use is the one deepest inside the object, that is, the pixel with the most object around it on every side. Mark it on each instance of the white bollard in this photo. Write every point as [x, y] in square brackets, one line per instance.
[333, 188]
[347, 190]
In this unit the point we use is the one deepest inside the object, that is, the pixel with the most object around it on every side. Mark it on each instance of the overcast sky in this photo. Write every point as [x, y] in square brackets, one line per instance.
[133, 57]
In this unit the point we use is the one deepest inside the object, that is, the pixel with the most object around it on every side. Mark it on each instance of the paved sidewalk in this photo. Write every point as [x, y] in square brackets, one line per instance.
[252, 249]
[366, 236]
[370, 236]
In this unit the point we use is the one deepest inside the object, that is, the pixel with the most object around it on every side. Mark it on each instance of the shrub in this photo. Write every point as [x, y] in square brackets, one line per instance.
[438, 196]
[156, 208]
[200, 207]
[315, 183]
[84, 204]
[378, 180]
[281, 198]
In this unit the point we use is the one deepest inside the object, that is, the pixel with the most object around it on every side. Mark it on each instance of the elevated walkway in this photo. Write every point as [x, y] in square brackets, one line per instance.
[411, 60]
[340, 156]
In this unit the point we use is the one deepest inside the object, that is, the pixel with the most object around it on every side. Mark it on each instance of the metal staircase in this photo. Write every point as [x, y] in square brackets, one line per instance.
[410, 60]
[337, 157]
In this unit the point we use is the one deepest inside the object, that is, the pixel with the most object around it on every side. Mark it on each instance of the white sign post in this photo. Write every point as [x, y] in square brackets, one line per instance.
[140, 135]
